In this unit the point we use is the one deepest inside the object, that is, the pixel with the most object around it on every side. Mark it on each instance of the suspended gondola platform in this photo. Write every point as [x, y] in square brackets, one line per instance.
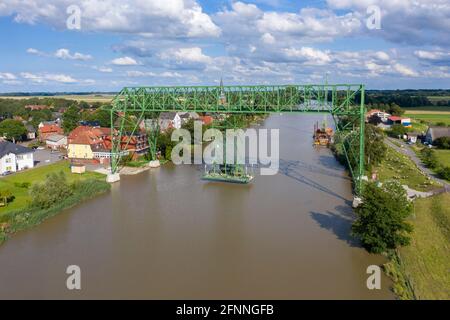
[227, 178]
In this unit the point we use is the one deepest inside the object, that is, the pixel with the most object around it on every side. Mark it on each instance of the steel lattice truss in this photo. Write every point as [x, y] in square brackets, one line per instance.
[345, 102]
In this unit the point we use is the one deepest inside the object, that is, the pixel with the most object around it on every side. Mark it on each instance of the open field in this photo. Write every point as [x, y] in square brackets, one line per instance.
[88, 98]
[33, 175]
[430, 117]
[427, 260]
[397, 166]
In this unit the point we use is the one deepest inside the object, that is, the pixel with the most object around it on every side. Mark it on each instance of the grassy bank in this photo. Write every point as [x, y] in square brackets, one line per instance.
[22, 197]
[396, 166]
[425, 263]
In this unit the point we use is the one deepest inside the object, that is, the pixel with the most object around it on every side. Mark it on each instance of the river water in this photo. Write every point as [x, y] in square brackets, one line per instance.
[166, 234]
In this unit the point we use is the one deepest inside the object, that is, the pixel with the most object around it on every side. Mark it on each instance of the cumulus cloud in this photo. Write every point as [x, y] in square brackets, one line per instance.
[45, 77]
[173, 18]
[414, 22]
[65, 54]
[7, 76]
[103, 69]
[433, 57]
[186, 55]
[124, 61]
[166, 74]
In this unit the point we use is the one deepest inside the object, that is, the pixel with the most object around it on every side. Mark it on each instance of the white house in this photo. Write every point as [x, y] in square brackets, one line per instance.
[14, 157]
[169, 120]
[56, 141]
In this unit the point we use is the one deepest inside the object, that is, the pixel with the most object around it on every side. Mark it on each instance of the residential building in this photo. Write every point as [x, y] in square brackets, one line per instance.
[383, 116]
[56, 141]
[434, 133]
[31, 132]
[93, 144]
[14, 157]
[47, 130]
[169, 120]
[406, 122]
[412, 137]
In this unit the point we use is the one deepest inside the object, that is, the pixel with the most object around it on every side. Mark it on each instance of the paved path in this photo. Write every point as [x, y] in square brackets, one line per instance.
[406, 150]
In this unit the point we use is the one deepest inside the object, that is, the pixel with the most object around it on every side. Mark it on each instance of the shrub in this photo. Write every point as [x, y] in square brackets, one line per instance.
[23, 185]
[442, 143]
[444, 173]
[54, 189]
[429, 158]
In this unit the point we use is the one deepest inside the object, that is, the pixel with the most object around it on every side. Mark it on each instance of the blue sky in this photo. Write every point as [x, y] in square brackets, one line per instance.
[196, 42]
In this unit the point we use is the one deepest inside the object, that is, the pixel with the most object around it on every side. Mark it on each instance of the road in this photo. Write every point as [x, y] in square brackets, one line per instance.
[406, 150]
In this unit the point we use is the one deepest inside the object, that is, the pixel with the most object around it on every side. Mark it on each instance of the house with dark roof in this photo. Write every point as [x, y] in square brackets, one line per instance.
[14, 157]
[434, 133]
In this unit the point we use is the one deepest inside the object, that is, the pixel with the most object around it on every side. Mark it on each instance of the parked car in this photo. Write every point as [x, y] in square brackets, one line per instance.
[6, 173]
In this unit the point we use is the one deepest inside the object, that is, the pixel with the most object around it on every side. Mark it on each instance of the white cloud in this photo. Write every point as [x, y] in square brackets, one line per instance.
[186, 55]
[173, 18]
[434, 57]
[103, 69]
[42, 78]
[166, 74]
[312, 56]
[35, 51]
[404, 70]
[65, 54]
[7, 76]
[124, 61]
[267, 38]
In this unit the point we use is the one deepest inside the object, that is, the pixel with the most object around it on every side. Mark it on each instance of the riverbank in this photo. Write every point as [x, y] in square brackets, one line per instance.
[420, 270]
[19, 214]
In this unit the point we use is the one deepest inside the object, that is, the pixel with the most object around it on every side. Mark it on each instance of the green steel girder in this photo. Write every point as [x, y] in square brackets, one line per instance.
[345, 102]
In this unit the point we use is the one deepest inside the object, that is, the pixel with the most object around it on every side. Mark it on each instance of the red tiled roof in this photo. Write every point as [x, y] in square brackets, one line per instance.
[207, 119]
[50, 128]
[395, 118]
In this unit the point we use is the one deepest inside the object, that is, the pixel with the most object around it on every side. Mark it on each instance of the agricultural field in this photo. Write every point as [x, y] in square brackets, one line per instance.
[12, 182]
[426, 261]
[91, 98]
[430, 116]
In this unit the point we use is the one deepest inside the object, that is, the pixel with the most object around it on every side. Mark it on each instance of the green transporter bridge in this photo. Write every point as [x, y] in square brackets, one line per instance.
[345, 103]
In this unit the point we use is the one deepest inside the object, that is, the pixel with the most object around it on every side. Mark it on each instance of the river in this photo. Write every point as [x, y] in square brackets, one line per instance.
[166, 234]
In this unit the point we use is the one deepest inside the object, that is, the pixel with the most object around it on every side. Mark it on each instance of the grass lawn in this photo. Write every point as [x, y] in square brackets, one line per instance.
[430, 117]
[397, 166]
[443, 157]
[427, 260]
[33, 175]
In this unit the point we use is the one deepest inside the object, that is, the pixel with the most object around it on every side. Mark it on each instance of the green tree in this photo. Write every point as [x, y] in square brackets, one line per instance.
[54, 189]
[381, 218]
[71, 118]
[100, 115]
[375, 149]
[12, 130]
